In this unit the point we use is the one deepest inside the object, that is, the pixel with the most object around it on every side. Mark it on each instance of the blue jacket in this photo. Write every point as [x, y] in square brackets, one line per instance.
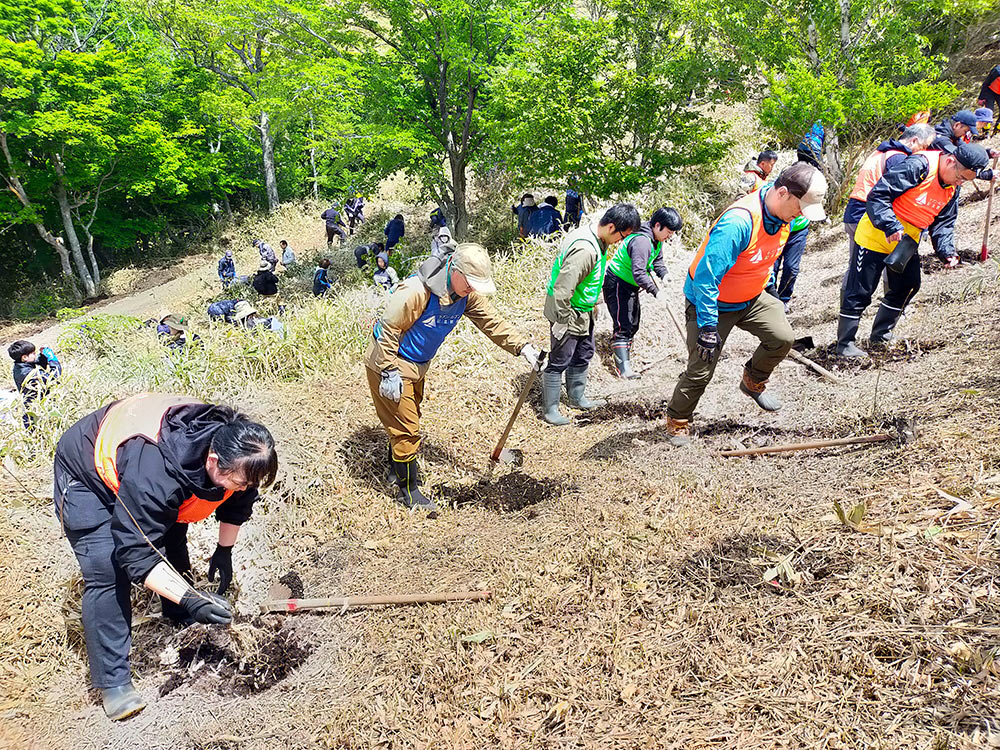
[544, 221]
[321, 284]
[813, 140]
[855, 208]
[222, 309]
[394, 231]
[227, 268]
[726, 240]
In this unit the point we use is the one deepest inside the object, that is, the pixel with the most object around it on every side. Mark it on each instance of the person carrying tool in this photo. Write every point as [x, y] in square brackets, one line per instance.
[571, 296]
[724, 289]
[354, 207]
[421, 312]
[129, 478]
[757, 171]
[914, 138]
[629, 270]
[33, 373]
[917, 194]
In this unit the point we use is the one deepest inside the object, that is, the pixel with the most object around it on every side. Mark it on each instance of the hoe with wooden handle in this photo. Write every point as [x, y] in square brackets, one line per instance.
[501, 455]
[349, 602]
[905, 433]
[984, 252]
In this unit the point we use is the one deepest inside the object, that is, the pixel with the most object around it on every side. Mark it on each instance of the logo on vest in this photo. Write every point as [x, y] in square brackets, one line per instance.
[430, 321]
[757, 257]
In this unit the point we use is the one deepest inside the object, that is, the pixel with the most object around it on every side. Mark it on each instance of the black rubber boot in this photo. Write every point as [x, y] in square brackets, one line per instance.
[551, 391]
[408, 492]
[623, 360]
[885, 321]
[847, 331]
[576, 384]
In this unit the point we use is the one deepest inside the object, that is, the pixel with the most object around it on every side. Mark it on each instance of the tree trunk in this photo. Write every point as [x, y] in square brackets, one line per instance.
[267, 148]
[95, 270]
[834, 169]
[14, 182]
[312, 157]
[227, 206]
[459, 195]
[89, 287]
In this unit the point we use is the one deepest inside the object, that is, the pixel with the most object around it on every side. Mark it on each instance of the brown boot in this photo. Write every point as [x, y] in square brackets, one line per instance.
[755, 390]
[679, 432]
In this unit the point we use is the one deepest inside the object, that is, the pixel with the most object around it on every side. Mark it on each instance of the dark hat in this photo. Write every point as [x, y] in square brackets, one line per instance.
[966, 117]
[971, 156]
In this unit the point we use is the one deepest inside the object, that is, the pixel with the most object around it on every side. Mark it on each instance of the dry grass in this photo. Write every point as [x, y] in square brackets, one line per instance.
[643, 596]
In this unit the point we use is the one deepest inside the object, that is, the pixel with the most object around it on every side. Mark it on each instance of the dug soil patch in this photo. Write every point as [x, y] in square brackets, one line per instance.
[902, 351]
[741, 561]
[245, 658]
[932, 264]
[510, 493]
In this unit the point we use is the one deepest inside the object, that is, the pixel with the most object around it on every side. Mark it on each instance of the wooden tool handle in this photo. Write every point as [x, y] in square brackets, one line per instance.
[495, 455]
[984, 252]
[787, 447]
[804, 360]
[347, 602]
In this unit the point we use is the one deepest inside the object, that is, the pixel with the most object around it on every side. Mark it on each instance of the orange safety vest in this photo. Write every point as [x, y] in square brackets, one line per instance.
[995, 86]
[141, 416]
[749, 275]
[870, 173]
[920, 205]
[758, 181]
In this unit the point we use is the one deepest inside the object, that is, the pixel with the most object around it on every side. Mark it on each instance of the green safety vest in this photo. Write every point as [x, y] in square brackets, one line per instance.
[621, 264]
[588, 291]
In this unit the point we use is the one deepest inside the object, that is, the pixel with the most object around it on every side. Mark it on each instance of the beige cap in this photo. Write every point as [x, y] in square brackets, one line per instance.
[243, 309]
[177, 322]
[809, 186]
[473, 262]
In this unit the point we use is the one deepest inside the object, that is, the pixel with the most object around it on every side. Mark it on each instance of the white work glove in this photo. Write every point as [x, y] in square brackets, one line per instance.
[530, 354]
[559, 331]
[391, 386]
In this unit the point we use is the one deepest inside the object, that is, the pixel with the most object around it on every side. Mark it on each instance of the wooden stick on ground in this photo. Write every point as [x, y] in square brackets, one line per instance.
[347, 602]
[788, 447]
[984, 252]
[804, 360]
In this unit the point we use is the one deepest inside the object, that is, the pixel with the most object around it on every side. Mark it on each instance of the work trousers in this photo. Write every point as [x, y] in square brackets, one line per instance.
[107, 603]
[402, 420]
[763, 318]
[786, 267]
[571, 351]
[334, 231]
[862, 277]
[622, 300]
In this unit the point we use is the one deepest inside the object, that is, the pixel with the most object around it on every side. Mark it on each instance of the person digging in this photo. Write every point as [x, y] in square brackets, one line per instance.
[571, 296]
[128, 479]
[725, 285]
[630, 269]
[914, 195]
[422, 310]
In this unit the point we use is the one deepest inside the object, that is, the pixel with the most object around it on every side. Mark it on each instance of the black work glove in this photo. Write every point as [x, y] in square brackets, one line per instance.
[708, 343]
[206, 607]
[222, 561]
[985, 174]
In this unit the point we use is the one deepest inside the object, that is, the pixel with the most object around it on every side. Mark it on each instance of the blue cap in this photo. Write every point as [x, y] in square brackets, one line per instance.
[966, 117]
[984, 114]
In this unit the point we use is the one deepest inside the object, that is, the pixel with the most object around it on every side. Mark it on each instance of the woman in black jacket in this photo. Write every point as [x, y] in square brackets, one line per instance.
[264, 281]
[129, 478]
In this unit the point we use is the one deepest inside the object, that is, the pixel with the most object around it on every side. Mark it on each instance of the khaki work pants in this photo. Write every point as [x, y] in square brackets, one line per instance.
[763, 318]
[402, 420]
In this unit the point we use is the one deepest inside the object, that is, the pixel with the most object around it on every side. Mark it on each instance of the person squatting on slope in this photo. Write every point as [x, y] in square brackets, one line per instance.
[129, 478]
[385, 276]
[420, 314]
[917, 194]
[914, 138]
[629, 270]
[33, 374]
[725, 289]
[757, 171]
[571, 296]
[321, 281]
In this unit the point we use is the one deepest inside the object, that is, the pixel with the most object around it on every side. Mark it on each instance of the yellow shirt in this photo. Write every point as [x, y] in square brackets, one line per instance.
[870, 238]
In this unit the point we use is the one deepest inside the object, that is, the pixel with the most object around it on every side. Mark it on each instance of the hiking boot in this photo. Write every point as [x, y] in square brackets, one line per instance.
[623, 361]
[408, 492]
[121, 702]
[679, 432]
[885, 321]
[551, 392]
[847, 330]
[755, 391]
[576, 384]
